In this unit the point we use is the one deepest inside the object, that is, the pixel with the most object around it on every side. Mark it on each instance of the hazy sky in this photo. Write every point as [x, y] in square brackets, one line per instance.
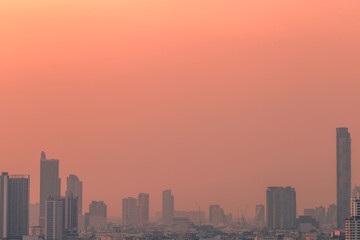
[214, 99]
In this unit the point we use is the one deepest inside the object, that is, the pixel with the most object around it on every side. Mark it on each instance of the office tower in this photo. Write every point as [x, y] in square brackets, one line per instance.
[34, 214]
[216, 215]
[18, 206]
[320, 215]
[343, 158]
[53, 218]
[167, 207]
[70, 205]
[97, 215]
[143, 202]
[352, 224]
[75, 186]
[130, 212]
[50, 183]
[14, 206]
[260, 215]
[281, 208]
[331, 218]
[4, 184]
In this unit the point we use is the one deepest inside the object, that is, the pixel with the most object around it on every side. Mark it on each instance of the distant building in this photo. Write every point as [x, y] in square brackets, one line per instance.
[217, 215]
[50, 183]
[167, 207]
[320, 215]
[130, 211]
[14, 206]
[343, 158]
[307, 223]
[34, 213]
[281, 208]
[54, 218]
[97, 216]
[260, 215]
[352, 224]
[71, 215]
[331, 218]
[195, 217]
[75, 186]
[143, 202]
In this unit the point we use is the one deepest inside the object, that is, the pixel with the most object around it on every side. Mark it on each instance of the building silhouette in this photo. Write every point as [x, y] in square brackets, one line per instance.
[260, 215]
[352, 224]
[343, 159]
[281, 208]
[216, 215]
[50, 183]
[14, 206]
[143, 203]
[54, 221]
[75, 186]
[167, 207]
[130, 211]
[331, 218]
[70, 211]
[97, 215]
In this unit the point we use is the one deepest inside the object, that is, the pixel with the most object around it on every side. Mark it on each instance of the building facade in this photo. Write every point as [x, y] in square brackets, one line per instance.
[281, 208]
[130, 212]
[143, 202]
[343, 159]
[54, 218]
[352, 224]
[260, 215]
[75, 187]
[167, 207]
[50, 183]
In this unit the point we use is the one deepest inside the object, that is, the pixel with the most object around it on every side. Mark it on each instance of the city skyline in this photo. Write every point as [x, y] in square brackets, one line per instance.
[214, 101]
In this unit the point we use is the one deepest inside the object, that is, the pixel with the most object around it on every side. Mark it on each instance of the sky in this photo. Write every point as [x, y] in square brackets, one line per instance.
[216, 100]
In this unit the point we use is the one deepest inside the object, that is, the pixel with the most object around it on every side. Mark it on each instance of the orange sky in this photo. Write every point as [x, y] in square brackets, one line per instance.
[214, 99]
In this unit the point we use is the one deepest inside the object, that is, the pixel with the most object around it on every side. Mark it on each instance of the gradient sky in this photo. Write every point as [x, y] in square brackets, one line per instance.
[214, 99]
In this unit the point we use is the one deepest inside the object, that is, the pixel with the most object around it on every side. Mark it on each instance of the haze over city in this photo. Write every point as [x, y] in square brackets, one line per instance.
[215, 100]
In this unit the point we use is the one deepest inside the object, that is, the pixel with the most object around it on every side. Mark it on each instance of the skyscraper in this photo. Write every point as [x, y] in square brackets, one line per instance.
[281, 207]
[50, 183]
[352, 224]
[14, 206]
[97, 215]
[343, 159]
[260, 215]
[18, 206]
[167, 207]
[53, 218]
[75, 186]
[70, 211]
[129, 211]
[143, 202]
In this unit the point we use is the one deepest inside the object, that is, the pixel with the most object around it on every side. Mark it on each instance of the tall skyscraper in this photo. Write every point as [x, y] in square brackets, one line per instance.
[352, 224]
[75, 186]
[130, 211]
[167, 207]
[53, 218]
[14, 206]
[18, 206]
[281, 207]
[343, 159]
[143, 202]
[260, 215]
[50, 183]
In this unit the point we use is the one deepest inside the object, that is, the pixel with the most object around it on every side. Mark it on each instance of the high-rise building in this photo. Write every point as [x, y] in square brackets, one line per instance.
[331, 218]
[167, 207]
[130, 211]
[281, 207]
[70, 205]
[216, 215]
[75, 186]
[97, 215]
[320, 215]
[143, 202]
[53, 218]
[50, 183]
[343, 159]
[34, 213]
[352, 224]
[260, 215]
[18, 206]
[14, 206]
